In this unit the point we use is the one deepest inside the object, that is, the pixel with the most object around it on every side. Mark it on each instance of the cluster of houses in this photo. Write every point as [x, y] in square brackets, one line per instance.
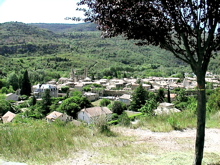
[87, 115]
[120, 89]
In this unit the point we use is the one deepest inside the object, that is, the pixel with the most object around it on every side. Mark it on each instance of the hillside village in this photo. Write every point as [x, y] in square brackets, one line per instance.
[112, 89]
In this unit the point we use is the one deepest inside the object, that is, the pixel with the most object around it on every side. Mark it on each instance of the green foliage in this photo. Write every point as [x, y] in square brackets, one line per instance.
[4, 90]
[160, 95]
[118, 107]
[139, 97]
[213, 104]
[65, 89]
[47, 143]
[33, 101]
[150, 105]
[3, 83]
[175, 124]
[104, 102]
[46, 102]
[73, 105]
[48, 55]
[124, 120]
[25, 85]
[86, 88]
[13, 80]
[76, 93]
[5, 105]
[70, 107]
[181, 99]
[181, 95]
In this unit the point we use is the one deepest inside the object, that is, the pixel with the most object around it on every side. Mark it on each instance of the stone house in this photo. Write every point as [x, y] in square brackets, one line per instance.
[8, 117]
[58, 115]
[125, 98]
[91, 96]
[39, 90]
[94, 114]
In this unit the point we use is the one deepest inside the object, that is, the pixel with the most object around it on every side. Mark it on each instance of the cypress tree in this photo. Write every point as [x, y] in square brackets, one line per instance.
[25, 85]
[46, 102]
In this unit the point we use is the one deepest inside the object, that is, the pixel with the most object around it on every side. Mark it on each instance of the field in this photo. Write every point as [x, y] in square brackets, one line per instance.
[39, 143]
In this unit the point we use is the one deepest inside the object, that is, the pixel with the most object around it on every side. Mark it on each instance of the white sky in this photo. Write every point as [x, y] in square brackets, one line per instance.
[38, 11]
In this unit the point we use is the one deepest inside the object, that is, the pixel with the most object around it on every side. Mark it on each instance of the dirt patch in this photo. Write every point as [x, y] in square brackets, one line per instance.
[172, 147]
[175, 140]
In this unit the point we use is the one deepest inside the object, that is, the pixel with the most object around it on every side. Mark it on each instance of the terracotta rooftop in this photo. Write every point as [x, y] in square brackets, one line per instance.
[54, 115]
[8, 117]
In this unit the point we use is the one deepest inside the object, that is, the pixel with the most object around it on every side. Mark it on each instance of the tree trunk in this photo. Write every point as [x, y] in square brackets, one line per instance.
[201, 119]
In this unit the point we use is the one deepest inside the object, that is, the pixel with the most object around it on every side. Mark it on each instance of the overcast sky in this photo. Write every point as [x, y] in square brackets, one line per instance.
[38, 11]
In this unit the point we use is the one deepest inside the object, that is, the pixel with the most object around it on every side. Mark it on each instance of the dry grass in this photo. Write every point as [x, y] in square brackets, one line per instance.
[38, 142]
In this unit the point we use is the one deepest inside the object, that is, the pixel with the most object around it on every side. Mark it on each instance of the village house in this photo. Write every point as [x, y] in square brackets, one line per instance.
[79, 86]
[189, 83]
[93, 114]
[39, 90]
[125, 98]
[8, 117]
[58, 116]
[91, 96]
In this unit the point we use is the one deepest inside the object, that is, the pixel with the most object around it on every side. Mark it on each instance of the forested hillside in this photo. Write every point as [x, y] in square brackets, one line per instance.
[52, 50]
[64, 28]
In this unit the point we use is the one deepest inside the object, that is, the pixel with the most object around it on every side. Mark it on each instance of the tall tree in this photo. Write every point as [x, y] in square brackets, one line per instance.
[187, 28]
[46, 101]
[139, 97]
[160, 95]
[13, 81]
[25, 85]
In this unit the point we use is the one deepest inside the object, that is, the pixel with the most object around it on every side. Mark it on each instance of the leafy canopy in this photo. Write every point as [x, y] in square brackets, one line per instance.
[187, 28]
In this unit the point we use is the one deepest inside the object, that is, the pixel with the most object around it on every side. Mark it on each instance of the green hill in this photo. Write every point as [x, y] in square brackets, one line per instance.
[63, 28]
[45, 47]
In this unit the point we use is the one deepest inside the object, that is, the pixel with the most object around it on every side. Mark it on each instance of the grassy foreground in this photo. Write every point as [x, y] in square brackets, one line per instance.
[37, 142]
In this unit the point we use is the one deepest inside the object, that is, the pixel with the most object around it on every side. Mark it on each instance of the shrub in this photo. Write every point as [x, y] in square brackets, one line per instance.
[104, 102]
[65, 89]
[118, 107]
[124, 120]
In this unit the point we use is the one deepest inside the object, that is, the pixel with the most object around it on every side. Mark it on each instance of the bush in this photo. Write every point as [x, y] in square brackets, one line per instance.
[214, 101]
[104, 102]
[65, 89]
[174, 123]
[118, 107]
[124, 120]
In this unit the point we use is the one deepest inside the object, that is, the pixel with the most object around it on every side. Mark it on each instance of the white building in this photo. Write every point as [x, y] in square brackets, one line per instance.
[93, 114]
[38, 90]
[125, 98]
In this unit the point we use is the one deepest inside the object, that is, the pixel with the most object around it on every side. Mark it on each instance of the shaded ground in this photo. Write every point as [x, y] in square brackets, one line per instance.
[176, 148]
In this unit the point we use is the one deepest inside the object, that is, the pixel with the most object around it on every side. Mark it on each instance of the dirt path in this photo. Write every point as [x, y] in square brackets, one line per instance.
[168, 140]
[175, 141]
